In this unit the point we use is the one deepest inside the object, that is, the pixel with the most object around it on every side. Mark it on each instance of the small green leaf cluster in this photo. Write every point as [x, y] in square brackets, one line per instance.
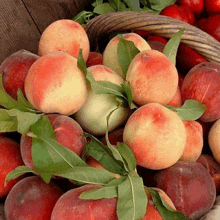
[99, 7]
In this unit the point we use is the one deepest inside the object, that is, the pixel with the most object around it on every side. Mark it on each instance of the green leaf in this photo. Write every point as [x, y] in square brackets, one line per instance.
[7, 101]
[104, 155]
[132, 199]
[126, 51]
[165, 212]
[171, 47]
[24, 120]
[103, 9]
[83, 17]
[81, 63]
[97, 2]
[24, 102]
[107, 192]
[43, 128]
[18, 171]
[158, 5]
[118, 5]
[190, 110]
[7, 123]
[127, 90]
[133, 4]
[128, 155]
[116, 181]
[88, 175]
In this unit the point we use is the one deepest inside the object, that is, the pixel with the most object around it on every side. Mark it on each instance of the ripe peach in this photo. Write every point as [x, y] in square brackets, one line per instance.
[70, 206]
[202, 84]
[110, 55]
[67, 132]
[64, 35]
[55, 84]
[190, 187]
[177, 99]
[94, 58]
[92, 115]
[31, 198]
[10, 158]
[15, 69]
[156, 135]
[152, 78]
[194, 141]
[214, 140]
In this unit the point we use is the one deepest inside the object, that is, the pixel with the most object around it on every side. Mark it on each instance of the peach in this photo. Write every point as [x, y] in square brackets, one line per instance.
[156, 135]
[214, 140]
[14, 70]
[31, 198]
[94, 58]
[213, 168]
[194, 141]
[202, 84]
[64, 35]
[92, 115]
[55, 84]
[152, 78]
[70, 206]
[190, 187]
[177, 99]
[110, 54]
[67, 132]
[10, 158]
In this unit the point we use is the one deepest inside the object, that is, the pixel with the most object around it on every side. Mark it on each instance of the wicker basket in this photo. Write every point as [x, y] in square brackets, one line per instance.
[195, 38]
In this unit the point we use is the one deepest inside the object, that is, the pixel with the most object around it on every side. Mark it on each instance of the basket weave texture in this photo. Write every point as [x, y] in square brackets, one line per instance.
[195, 38]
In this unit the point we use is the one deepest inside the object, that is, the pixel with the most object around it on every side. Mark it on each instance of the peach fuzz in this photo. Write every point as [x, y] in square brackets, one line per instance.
[214, 140]
[194, 141]
[64, 35]
[110, 54]
[67, 132]
[152, 78]
[92, 115]
[156, 135]
[55, 84]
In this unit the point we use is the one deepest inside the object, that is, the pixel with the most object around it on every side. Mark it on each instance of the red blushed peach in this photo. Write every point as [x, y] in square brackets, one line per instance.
[152, 78]
[92, 115]
[67, 132]
[10, 158]
[94, 58]
[214, 140]
[31, 198]
[64, 35]
[15, 69]
[55, 84]
[156, 135]
[70, 206]
[177, 99]
[190, 187]
[194, 141]
[110, 57]
[202, 83]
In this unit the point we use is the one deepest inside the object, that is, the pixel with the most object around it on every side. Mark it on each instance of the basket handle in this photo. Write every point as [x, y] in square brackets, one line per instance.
[195, 38]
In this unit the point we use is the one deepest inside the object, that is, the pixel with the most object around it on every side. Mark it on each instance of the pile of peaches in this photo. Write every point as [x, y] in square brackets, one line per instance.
[125, 125]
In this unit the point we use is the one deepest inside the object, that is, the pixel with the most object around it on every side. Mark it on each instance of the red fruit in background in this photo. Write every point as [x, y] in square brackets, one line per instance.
[211, 25]
[156, 45]
[196, 6]
[187, 58]
[212, 6]
[142, 33]
[202, 83]
[10, 158]
[94, 58]
[179, 12]
[157, 38]
[15, 69]
[31, 198]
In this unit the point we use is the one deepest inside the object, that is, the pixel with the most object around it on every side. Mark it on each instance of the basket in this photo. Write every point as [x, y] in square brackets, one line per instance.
[195, 38]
